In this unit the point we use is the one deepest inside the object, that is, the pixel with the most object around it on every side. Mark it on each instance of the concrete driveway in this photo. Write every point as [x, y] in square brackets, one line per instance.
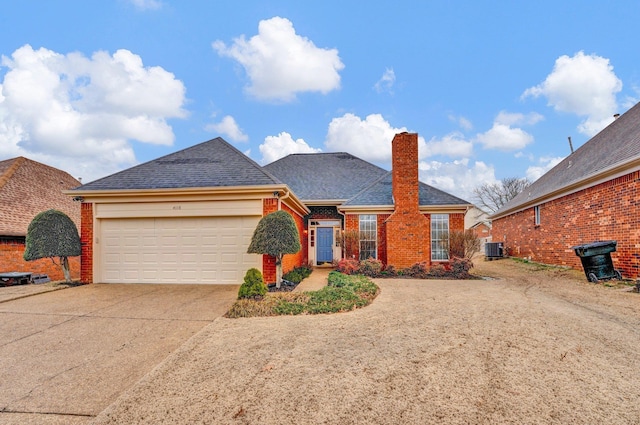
[65, 355]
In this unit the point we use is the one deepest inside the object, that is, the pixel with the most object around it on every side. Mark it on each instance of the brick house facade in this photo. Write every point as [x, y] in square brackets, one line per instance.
[328, 196]
[592, 195]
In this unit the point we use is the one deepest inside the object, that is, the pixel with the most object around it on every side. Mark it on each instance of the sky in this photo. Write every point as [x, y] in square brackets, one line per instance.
[494, 89]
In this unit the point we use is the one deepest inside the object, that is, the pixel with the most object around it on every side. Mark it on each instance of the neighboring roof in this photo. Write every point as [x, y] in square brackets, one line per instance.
[213, 163]
[325, 176]
[380, 193]
[27, 188]
[615, 146]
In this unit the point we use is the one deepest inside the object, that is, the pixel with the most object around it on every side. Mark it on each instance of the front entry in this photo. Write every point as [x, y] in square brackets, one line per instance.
[325, 245]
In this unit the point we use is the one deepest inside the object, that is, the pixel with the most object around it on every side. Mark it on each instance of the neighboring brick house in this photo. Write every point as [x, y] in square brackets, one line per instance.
[592, 195]
[27, 188]
[478, 222]
[188, 217]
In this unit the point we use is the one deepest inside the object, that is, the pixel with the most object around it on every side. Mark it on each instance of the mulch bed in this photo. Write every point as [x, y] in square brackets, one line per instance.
[285, 286]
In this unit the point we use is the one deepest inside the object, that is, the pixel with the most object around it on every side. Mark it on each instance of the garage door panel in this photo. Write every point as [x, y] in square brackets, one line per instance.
[177, 250]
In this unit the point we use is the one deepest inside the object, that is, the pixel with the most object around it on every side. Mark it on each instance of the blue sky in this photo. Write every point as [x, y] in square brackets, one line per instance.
[493, 88]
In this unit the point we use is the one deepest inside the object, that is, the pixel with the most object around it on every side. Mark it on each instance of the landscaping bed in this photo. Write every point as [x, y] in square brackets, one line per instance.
[343, 293]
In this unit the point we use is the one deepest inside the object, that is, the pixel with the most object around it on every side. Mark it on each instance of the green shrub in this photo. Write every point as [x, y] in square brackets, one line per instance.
[253, 286]
[370, 267]
[333, 300]
[344, 293]
[298, 274]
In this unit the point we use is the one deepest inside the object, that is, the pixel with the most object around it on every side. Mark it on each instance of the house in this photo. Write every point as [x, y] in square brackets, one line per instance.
[592, 195]
[27, 188]
[188, 217]
[478, 222]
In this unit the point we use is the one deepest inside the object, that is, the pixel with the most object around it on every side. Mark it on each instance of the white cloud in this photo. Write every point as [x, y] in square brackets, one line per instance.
[369, 139]
[386, 82]
[534, 172]
[463, 122]
[458, 177]
[79, 114]
[280, 63]
[146, 4]
[453, 145]
[276, 147]
[229, 128]
[584, 85]
[502, 136]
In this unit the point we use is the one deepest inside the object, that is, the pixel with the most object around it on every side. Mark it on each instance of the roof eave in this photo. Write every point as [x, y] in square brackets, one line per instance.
[594, 179]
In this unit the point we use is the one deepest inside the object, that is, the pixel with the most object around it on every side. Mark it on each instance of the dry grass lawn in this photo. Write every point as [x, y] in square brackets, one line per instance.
[534, 346]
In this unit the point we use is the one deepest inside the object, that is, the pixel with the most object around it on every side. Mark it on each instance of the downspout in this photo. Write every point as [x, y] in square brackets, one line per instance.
[287, 193]
[344, 222]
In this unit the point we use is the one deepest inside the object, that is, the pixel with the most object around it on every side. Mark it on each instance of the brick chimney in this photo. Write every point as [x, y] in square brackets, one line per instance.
[408, 230]
[404, 172]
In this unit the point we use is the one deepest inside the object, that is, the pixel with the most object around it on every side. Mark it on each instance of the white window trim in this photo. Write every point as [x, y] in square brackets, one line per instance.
[370, 218]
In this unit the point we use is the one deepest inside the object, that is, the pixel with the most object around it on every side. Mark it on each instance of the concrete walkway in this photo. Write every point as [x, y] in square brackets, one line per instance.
[317, 280]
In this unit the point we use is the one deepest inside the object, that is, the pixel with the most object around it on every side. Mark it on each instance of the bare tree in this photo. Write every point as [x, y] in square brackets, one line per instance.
[493, 196]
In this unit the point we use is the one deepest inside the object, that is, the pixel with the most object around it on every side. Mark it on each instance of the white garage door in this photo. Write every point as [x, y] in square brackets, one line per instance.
[177, 250]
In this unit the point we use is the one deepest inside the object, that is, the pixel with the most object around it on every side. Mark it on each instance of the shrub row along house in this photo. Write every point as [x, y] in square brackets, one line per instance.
[188, 217]
[27, 188]
[592, 195]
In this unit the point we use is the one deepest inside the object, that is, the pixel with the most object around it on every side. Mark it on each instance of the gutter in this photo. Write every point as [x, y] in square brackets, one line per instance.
[604, 175]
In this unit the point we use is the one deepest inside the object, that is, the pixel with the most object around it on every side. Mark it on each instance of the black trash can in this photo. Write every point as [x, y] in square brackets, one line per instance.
[596, 260]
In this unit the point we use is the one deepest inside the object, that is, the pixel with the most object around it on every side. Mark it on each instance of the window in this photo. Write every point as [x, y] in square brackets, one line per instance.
[536, 213]
[368, 236]
[439, 237]
[312, 237]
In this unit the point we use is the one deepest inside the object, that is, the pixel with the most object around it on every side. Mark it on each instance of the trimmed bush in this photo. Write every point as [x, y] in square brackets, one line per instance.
[348, 266]
[253, 286]
[298, 274]
[460, 267]
[370, 267]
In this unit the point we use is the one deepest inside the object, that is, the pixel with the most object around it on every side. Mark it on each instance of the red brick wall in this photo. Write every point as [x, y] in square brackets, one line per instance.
[352, 224]
[11, 260]
[86, 238]
[456, 222]
[289, 261]
[292, 261]
[407, 229]
[608, 211]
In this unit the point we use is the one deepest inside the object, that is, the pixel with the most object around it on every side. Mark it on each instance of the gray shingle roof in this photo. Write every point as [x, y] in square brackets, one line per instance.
[318, 176]
[342, 176]
[380, 193]
[210, 164]
[616, 144]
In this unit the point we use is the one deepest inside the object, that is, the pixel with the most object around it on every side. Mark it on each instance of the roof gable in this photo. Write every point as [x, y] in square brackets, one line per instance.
[618, 143]
[27, 188]
[213, 163]
[325, 176]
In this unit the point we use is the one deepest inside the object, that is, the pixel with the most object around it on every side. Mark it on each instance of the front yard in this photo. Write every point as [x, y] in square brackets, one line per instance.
[530, 346]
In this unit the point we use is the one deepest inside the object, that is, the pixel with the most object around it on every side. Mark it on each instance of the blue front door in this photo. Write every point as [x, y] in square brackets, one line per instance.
[324, 248]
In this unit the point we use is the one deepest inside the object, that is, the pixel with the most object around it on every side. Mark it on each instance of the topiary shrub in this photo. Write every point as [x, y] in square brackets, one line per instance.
[253, 286]
[53, 234]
